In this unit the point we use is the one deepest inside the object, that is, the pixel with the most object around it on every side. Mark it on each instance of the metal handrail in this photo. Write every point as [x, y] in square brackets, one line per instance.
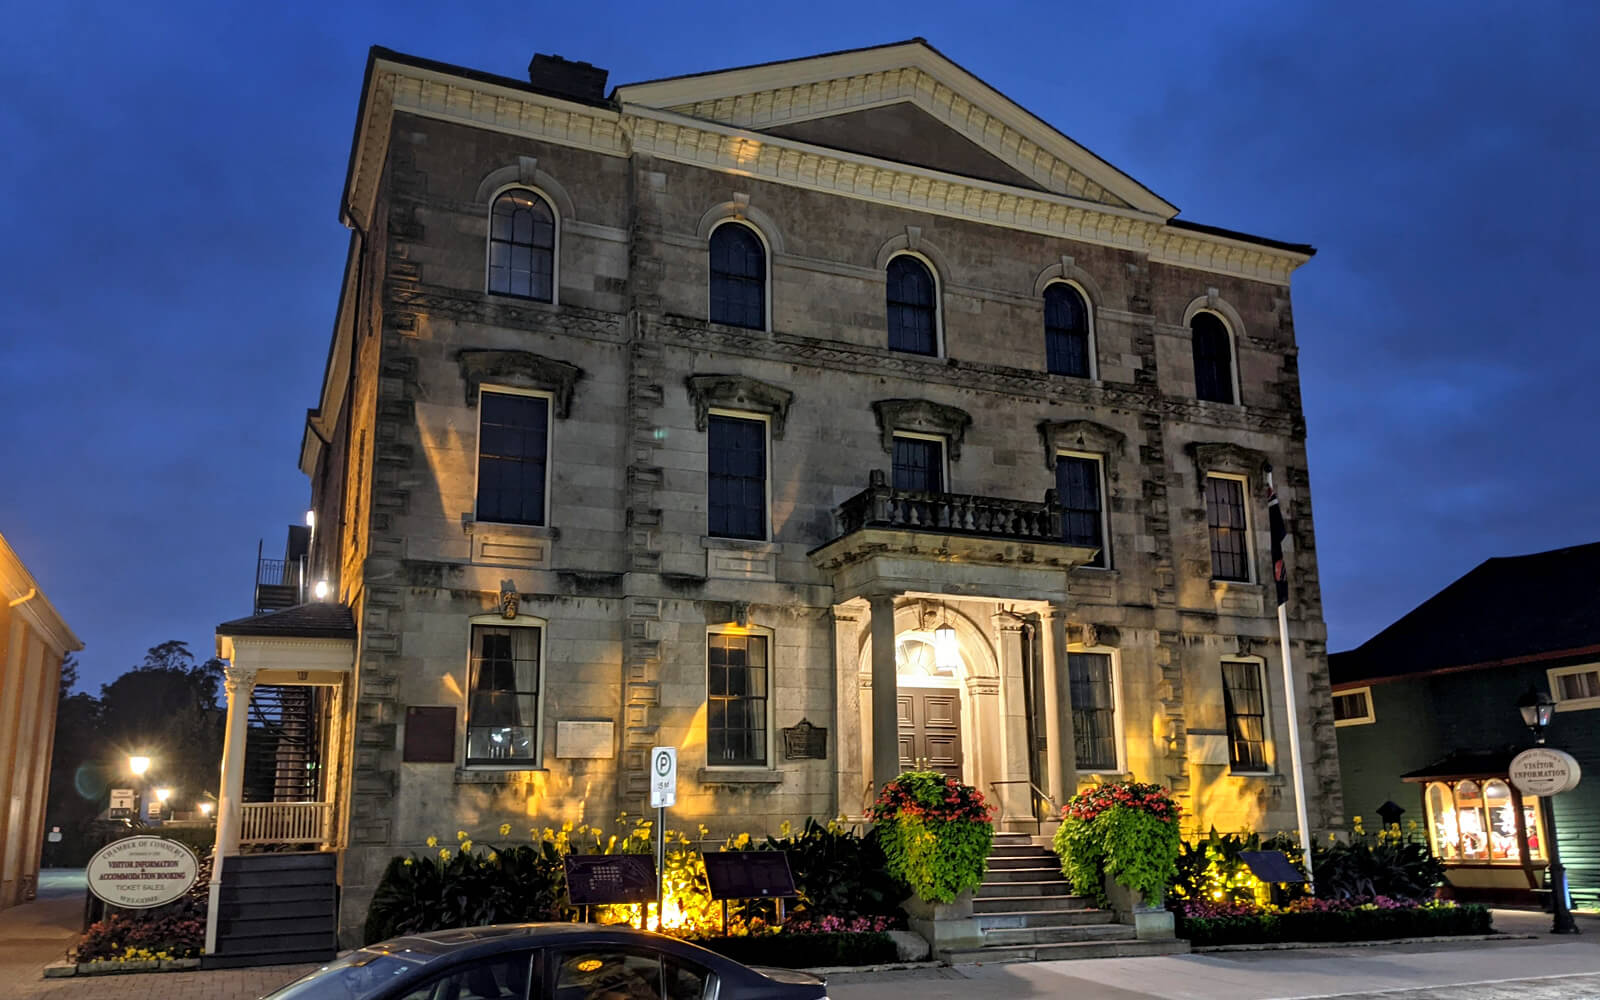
[1037, 796]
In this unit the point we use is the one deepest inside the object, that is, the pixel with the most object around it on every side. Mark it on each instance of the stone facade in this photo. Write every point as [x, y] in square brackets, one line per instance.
[623, 576]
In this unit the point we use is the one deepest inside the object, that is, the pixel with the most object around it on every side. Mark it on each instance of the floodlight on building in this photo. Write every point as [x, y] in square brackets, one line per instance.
[205, 809]
[311, 519]
[163, 794]
[321, 590]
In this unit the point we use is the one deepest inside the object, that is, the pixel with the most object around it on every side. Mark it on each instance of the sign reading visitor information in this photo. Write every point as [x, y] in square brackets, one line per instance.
[602, 879]
[1543, 771]
[663, 777]
[141, 872]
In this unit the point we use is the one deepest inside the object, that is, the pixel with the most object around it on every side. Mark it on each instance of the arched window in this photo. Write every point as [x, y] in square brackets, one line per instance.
[738, 277]
[1066, 331]
[1213, 358]
[522, 243]
[913, 310]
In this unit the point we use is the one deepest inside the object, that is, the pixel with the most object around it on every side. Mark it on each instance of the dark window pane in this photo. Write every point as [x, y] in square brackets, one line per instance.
[736, 710]
[608, 973]
[736, 477]
[1350, 706]
[1225, 518]
[513, 434]
[1066, 331]
[522, 238]
[738, 277]
[1213, 358]
[1094, 723]
[1244, 703]
[918, 465]
[913, 313]
[1078, 488]
[503, 695]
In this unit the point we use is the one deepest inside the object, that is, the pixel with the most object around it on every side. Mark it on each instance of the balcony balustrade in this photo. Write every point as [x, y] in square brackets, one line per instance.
[882, 506]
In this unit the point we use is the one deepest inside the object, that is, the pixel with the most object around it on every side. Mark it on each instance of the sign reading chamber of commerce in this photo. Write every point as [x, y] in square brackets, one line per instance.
[141, 872]
[663, 777]
[1543, 771]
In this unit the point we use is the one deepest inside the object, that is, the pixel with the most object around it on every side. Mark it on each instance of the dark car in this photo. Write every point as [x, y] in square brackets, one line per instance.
[545, 962]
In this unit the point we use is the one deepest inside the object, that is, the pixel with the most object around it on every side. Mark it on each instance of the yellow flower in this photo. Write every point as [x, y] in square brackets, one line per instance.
[505, 829]
[461, 835]
[743, 840]
[444, 854]
[493, 856]
[407, 862]
[433, 841]
[466, 845]
[784, 828]
[566, 827]
[1356, 820]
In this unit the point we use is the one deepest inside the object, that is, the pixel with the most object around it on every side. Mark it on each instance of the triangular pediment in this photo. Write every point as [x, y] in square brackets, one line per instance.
[906, 103]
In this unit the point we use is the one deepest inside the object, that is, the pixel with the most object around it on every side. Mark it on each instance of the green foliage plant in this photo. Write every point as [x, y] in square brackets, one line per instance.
[1126, 830]
[1388, 863]
[837, 871]
[935, 832]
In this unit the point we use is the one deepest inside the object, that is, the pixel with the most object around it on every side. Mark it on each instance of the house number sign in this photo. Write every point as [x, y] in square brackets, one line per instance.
[1543, 771]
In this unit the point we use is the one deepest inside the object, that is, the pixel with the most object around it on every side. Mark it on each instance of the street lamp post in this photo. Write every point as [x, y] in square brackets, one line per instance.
[1538, 708]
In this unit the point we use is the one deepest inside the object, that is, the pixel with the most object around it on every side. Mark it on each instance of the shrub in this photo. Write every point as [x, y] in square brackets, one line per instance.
[839, 873]
[1387, 864]
[935, 833]
[1128, 831]
[1372, 919]
[465, 888]
[177, 930]
[803, 951]
[1211, 869]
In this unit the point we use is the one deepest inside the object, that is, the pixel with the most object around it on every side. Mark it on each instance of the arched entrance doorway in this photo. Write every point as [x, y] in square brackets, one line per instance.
[928, 668]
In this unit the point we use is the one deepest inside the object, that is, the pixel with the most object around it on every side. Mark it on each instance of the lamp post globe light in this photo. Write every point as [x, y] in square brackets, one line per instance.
[138, 765]
[1537, 709]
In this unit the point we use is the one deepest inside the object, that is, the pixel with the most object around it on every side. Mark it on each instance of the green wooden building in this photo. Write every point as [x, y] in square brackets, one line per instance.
[1426, 718]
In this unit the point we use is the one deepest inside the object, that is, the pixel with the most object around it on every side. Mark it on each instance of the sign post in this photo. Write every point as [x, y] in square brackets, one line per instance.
[663, 793]
[1543, 772]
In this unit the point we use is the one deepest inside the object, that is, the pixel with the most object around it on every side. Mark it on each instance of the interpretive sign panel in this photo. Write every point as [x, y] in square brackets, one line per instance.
[1543, 771]
[1271, 866]
[141, 872]
[749, 874]
[601, 879]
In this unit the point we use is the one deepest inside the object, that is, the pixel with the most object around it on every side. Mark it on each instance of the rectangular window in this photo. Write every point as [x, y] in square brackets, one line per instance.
[918, 464]
[1245, 702]
[503, 696]
[736, 709]
[1082, 514]
[1094, 719]
[513, 439]
[1226, 519]
[1575, 687]
[1353, 708]
[736, 477]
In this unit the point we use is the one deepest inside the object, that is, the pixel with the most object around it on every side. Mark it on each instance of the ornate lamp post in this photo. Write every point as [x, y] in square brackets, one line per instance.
[1538, 708]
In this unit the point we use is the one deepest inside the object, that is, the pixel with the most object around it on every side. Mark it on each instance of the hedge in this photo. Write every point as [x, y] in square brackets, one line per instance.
[1341, 925]
[804, 951]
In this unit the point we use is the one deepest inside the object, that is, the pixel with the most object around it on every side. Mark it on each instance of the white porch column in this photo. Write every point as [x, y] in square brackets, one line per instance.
[1060, 754]
[849, 766]
[885, 688]
[239, 684]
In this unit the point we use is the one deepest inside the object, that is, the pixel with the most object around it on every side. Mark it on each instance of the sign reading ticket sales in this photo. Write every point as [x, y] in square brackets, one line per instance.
[141, 872]
[1543, 771]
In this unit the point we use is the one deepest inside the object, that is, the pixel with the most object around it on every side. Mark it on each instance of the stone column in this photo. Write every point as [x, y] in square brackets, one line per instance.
[1014, 708]
[1060, 756]
[849, 768]
[885, 706]
[239, 684]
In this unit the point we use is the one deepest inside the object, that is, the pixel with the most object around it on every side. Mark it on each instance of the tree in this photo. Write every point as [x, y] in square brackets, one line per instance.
[167, 709]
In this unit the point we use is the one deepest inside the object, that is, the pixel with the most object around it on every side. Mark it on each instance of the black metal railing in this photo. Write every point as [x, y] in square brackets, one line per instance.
[277, 572]
[882, 506]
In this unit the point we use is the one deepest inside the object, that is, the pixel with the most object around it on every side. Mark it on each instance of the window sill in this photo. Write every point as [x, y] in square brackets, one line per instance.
[511, 298]
[738, 776]
[470, 525]
[736, 328]
[738, 544]
[495, 774]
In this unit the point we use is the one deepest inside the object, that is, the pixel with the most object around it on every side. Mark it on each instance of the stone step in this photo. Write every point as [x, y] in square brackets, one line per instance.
[1016, 936]
[1014, 919]
[1035, 860]
[1042, 874]
[1019, 904]
[1008, 837]
[1032, 887]
[1130, 948]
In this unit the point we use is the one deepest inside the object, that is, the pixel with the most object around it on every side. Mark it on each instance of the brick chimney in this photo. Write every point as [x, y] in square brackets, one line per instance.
[565, 78]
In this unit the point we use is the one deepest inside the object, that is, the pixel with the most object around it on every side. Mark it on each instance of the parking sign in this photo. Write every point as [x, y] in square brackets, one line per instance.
[663, 777]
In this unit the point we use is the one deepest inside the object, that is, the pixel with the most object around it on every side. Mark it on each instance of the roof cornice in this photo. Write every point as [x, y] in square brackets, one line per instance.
[17, 584]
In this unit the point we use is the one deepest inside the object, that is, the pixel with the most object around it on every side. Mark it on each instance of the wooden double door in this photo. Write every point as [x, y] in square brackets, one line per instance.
[930, 730]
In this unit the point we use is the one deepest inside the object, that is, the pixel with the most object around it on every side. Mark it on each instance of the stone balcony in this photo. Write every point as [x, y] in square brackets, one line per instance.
[902, 541]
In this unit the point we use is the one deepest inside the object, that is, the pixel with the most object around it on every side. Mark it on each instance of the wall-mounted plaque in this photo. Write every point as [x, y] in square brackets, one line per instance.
[430, 734]
[585, 739]
[749, 874]
[599, 879]
[803, 741]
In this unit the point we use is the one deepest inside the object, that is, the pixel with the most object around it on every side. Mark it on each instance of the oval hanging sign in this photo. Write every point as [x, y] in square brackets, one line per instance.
[141, 872]
[1543, 771]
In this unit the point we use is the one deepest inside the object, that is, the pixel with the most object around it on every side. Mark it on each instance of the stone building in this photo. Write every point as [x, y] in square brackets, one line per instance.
[817, 418]
[33, 642]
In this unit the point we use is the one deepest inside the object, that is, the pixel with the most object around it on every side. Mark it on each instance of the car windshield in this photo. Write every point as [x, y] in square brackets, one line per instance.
[357, 976]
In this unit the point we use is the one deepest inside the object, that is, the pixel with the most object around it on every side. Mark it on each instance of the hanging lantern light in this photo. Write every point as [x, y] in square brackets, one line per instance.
[946, 650]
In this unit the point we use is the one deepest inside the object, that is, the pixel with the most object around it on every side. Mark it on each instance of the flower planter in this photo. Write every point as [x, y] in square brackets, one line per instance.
[1149, 922]
[945, 926]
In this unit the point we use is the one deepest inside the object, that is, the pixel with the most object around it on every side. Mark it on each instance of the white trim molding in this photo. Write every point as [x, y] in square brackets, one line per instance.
[1555, 675]
[1368, 716]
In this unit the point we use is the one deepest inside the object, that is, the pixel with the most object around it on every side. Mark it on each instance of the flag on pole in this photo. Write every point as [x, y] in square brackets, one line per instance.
[1275, 518]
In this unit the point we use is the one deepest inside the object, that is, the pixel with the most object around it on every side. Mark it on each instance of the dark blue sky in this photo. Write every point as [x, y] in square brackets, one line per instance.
[172, 252]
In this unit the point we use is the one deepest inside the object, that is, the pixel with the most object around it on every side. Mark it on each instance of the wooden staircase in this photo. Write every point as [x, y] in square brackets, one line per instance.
[276, 909]
[1029, 914]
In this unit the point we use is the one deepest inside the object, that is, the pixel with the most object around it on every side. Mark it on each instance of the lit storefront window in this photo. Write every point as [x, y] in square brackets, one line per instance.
[1475, 822]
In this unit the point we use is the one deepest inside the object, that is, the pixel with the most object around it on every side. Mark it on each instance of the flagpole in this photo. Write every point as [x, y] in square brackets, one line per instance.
[1288, 682]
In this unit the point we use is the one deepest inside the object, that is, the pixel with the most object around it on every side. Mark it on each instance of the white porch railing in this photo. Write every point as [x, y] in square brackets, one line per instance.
[283, 822]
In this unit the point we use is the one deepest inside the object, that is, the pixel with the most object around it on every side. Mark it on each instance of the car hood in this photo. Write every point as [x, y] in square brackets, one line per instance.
[794, 976]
